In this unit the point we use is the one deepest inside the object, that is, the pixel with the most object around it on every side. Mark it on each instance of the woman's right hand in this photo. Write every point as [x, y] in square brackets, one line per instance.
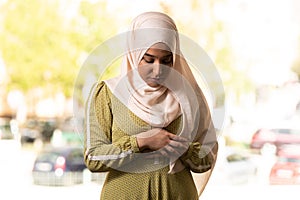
[160, 139]
[153, 139]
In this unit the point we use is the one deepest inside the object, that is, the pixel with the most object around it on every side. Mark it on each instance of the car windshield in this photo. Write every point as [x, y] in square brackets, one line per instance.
[47, 157]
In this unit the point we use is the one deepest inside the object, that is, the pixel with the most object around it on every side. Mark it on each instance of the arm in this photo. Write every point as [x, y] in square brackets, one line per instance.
[200, 158]
[100, 153]
[201, 154]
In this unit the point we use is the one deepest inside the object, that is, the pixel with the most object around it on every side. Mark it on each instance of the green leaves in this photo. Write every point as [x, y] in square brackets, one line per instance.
[42, 41]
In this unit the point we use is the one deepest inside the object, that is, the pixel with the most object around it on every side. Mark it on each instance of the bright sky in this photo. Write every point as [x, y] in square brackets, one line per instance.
[265, 38]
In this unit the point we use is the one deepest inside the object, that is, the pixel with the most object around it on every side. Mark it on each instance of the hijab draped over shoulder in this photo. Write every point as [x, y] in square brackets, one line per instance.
[179, 94]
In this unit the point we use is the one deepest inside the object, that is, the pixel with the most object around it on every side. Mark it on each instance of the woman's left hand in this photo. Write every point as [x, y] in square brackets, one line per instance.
[176, 147]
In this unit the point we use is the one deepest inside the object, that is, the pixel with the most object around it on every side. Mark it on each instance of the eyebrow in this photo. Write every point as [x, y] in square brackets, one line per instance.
[146, 54]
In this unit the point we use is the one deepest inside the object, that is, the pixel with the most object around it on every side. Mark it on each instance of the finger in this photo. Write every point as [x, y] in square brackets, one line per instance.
[177, 138]
[172, 151]
[180, 149]
[179, 145]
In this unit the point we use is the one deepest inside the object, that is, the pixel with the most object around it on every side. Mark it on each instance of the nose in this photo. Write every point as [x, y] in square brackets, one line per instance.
[157, 69]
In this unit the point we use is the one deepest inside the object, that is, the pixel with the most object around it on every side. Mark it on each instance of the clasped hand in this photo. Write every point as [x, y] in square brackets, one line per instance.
[163, 142]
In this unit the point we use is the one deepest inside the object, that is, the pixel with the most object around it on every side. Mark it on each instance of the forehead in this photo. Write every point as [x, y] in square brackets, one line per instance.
[159, 50]
[161, 46]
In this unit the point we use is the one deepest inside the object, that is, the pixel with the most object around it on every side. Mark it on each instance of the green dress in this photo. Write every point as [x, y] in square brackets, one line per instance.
[110, 146]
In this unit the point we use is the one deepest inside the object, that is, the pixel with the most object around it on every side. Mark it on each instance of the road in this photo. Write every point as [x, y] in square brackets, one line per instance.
[16, 183]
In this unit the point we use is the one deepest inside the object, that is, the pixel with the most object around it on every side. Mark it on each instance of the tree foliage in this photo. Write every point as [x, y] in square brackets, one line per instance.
[42, 41]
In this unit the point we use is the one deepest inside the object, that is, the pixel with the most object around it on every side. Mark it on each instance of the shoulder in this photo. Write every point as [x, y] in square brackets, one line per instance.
[99, 93]
[101, 89]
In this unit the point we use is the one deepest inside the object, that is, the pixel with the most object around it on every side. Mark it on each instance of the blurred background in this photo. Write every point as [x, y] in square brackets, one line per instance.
[255, 46]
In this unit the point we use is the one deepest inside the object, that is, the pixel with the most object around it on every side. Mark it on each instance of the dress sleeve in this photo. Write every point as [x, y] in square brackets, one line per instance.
[198, 158]
[100, 153]
[202, 152]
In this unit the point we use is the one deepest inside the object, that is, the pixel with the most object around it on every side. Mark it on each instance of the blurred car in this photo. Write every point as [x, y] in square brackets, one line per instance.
[59, 166]
[5, 129]
[62, 137]
[286, 169]
[67, 134]
[47, 127]
[38, 129]
[234, 167]
[275, 137]
[30, 131]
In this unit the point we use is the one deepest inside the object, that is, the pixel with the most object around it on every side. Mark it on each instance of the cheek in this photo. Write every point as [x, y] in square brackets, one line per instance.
[143, 71]
[167, 70]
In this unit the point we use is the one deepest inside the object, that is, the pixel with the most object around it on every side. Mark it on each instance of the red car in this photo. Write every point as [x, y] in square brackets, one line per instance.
[286, 171]
[276, 137]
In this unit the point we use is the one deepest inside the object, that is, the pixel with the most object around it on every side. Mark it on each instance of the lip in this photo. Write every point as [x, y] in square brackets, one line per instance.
[155, 79]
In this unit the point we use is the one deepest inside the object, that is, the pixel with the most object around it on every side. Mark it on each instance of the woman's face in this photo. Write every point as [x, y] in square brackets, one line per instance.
[155, 64]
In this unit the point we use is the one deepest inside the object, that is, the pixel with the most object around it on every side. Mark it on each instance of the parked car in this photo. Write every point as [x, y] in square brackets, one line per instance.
[234, 167]
[67, 134]
[5, 129]
[286, 169]
[275, 137]
[30, 131]
[62, 137]
[47, 127]
[59, 166]
[38, 129]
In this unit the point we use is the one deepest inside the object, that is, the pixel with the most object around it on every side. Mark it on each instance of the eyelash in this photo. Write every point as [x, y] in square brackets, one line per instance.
[148, 61]
[168, 61]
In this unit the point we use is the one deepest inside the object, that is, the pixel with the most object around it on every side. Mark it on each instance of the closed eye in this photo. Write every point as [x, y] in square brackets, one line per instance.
[168, 60]
[148, 60]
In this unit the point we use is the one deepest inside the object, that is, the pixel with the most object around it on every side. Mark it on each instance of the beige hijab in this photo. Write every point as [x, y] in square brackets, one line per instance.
[178, 95]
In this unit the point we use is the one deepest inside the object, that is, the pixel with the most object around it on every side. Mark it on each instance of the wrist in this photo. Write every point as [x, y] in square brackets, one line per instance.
[141, 143]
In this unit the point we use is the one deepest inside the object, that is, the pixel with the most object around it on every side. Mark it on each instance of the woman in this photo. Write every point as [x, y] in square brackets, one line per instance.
[150, 126]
